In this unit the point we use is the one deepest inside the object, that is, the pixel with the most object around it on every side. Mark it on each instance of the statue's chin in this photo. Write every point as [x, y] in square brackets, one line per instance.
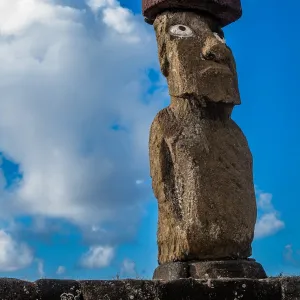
[214, 83]
[219, 97]
[227, 95]
[218, 85]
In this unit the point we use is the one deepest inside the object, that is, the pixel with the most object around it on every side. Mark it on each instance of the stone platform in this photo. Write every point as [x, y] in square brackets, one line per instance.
[247, 268]
[282, 288]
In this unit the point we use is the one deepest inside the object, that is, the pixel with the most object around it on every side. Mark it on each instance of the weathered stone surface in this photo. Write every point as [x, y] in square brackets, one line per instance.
[290, 288]
[285, 288]
[51, 289]
[227, 269]
[14, 289]
[202, 177]
[219, 289]
[195, 59]
[119, 289]
[172, 271]
[225, 11]
[201, 165]
[210, 270]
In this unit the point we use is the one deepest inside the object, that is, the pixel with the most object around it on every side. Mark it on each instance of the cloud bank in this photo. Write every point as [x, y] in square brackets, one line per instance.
[75, 115]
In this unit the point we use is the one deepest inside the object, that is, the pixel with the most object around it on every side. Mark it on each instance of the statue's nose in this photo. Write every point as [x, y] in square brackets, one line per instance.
[216, 51]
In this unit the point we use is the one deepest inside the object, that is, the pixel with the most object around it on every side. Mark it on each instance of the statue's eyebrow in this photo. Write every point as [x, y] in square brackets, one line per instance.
[175, 21]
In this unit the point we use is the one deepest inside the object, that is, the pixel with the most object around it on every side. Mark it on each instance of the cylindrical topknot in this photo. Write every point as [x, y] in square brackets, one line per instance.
[226, 11]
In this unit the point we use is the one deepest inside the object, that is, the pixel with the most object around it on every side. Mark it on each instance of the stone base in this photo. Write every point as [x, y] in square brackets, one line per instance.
[282, 288]
[210, 270]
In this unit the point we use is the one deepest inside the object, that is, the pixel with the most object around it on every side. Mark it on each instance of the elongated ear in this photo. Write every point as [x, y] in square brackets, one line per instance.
[163, 59]
[160, 26]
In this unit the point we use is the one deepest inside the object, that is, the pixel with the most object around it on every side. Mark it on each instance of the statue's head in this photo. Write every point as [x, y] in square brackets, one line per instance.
[194, 57]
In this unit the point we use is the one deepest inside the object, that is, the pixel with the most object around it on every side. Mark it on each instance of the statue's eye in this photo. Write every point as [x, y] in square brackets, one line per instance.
[220, 38]
[181, 31]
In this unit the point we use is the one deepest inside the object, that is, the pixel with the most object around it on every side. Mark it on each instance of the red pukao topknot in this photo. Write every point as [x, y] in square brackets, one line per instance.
[226, 11]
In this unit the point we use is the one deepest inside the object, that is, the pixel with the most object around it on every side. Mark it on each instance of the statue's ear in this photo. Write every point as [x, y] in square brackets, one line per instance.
[160, 25]
[163, 59]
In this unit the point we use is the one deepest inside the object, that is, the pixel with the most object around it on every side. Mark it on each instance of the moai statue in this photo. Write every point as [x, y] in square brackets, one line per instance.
[201, 165]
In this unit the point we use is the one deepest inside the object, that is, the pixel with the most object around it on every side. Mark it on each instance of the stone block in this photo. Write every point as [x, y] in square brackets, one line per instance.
[245, 289]
[172, 271]
[14, 289]
[210, 270]
[52, 289]
[227, 269]
[119, 289]
[290, 288]
[282, 288]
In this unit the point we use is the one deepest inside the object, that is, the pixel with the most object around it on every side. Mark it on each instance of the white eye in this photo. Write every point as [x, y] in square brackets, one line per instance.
[222, 40]
[181, 31]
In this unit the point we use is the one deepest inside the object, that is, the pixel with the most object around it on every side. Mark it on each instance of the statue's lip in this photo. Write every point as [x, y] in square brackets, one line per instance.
[217, 67]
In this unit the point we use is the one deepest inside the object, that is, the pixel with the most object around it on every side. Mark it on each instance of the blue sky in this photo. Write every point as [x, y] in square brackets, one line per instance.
[80, 86]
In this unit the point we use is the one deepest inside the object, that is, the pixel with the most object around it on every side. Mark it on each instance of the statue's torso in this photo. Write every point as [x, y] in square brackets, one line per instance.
[212, 197]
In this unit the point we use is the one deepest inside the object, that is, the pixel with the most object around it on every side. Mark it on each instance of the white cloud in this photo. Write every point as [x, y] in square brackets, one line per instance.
[288, 253]
[40, 268]
[95, 228]
[17, 15]
[118, 18]
[264, 201]
[13, 255]
[97, 257]
[60, 270]
[95, 5]
[269, 222]
[290, 256]
[128, 268]
[63, 84]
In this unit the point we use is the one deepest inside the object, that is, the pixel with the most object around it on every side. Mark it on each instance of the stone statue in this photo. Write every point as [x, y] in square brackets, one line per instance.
[201, 165]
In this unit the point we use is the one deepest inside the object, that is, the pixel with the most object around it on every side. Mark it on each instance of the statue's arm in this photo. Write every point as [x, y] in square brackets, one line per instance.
[156, 155]
[162, 166]
[161, 163]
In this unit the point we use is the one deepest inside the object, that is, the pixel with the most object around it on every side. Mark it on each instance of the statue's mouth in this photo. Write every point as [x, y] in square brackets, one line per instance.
[214, 67]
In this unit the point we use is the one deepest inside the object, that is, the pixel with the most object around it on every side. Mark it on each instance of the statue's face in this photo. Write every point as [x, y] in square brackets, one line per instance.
[194, 57]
